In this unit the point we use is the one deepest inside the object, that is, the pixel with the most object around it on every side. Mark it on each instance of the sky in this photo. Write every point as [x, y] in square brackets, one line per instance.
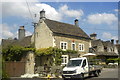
[94, 17]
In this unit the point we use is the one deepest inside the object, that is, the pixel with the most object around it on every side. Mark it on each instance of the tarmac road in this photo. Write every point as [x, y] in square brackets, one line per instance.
[109, 73]
[106, 74]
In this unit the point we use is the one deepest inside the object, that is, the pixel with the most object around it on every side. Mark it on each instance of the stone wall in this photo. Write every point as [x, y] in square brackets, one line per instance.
[30, 63]
[41, 60]
[69, 40]
[43, 36]
[100, 47]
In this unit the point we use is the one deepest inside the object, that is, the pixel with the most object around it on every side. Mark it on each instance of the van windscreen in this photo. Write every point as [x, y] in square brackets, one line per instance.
[72, 63]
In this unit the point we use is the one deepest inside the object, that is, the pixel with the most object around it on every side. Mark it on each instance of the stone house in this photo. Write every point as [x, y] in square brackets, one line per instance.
[103, 49]
[50, 33]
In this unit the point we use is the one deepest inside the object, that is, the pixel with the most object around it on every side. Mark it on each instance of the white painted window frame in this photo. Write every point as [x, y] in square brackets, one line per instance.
[72, 45]
[63, 59]
[63, 43]
[81, 45]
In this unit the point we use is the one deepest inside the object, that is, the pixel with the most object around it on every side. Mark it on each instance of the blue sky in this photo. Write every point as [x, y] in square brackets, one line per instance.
[94, 17]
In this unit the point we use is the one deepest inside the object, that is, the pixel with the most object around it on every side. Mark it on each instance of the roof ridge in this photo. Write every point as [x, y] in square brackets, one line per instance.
[63, 23]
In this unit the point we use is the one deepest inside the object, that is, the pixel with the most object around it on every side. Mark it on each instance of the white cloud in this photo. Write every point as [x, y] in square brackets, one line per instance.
[107, 35]
[20, 9]
[28, 33]
[116, 10]
[19, 0]
[51, 12]
[102, 18]
[6, 33]
[70, 13]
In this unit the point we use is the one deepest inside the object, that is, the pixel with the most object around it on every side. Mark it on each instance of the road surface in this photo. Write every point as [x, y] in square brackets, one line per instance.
[107, 74]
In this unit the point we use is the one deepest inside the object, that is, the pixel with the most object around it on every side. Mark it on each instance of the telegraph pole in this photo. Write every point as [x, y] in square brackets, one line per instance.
[34, 24]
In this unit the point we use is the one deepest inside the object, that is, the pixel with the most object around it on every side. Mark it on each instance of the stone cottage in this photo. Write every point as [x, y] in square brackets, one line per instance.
[50, 33]
[103, 49]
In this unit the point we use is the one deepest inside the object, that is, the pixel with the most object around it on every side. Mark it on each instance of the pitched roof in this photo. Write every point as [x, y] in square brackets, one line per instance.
[107, 43]
[99, 42]
[64, 28]
[104, 43]
[25, 42]
[96, 42]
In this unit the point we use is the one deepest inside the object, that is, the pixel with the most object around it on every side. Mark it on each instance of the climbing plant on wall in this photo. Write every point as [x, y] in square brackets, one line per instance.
[15, 53]
[55, 52]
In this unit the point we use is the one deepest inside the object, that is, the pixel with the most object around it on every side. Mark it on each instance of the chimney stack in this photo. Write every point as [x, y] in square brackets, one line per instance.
[76, 22]
[112, 41]
[21, 33]
[42, 14]
[93, 36]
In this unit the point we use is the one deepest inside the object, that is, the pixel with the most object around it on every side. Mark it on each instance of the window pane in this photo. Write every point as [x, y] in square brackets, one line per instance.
[65, 60]
[73, 46]
[65, 45]
[81, 47]
[61, 45]
[62, 60]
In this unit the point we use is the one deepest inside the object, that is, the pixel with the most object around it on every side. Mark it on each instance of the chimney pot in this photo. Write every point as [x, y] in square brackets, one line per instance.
[93, 36]
[76, 22]
[112, 41]
[21, 27]
[42, 14]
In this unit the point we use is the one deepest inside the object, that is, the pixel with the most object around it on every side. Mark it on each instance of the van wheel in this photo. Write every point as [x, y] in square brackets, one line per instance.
[82, 77]
[90, 74]
[96, 73]
[64, 79]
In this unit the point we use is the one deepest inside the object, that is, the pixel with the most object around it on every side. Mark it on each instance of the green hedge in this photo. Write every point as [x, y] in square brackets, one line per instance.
[113, 60]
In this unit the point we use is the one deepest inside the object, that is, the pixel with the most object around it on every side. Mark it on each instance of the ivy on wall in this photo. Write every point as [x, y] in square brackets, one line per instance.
[15, 53]
[55, 52]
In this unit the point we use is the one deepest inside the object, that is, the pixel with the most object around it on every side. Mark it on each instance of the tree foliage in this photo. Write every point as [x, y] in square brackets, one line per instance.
[15, 53]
